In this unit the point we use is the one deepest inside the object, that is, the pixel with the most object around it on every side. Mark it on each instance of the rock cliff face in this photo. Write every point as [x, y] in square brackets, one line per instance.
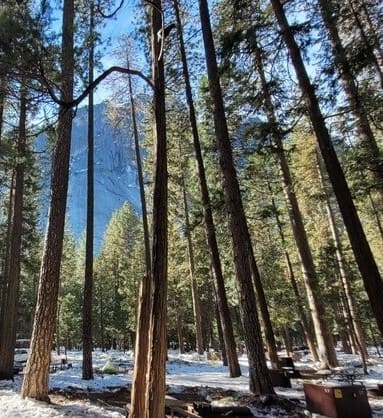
[115, 173]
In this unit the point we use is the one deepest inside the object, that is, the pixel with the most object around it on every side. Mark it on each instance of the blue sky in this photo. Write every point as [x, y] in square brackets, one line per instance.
[112, 30]
[121, 24]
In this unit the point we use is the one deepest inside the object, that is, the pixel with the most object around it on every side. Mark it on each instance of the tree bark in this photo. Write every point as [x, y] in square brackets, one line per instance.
[35, 384]
[220, 338]
[218, 279]
[143, 315]
[2, 105]
[288, 340]
[102, 324]
[350, 305]
[87, 343]
[373, 33]
[194, 285]
[155, 388]
[140, 175]
[264, 310]
[362, 251]
[180, 334]
[12, 278]
[378, 65]
[366, 138]
[260, 381]
[310, 339]
[326, 350]
[375, 211]
[6, 249]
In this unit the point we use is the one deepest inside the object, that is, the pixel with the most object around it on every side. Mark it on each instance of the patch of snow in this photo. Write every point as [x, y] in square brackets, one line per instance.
[186, 370]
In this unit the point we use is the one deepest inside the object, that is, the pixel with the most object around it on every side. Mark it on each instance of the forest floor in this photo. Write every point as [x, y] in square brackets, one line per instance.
[190, 378]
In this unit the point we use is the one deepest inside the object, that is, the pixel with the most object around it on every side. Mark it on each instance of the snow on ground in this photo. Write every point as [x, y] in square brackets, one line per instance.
[182, 371]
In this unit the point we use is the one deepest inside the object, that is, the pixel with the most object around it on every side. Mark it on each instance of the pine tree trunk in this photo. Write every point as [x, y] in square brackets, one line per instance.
[143, 315]
[194, 285]
[140, 176]
[6, 250]
[87, 343]
[102, 324]
[288, 340]
[369, 47]
[58, 329]
[326, 350]
[373, 33]
[35, 384]
[218, 279]
[156, 388]
[362, 251]
[260, 382]
[12, 278]
[264, 310]
[2, 104]
[180, 334]
[221, 340]
[350, 307]
[310, 339]
[366, 138]
[376, 214]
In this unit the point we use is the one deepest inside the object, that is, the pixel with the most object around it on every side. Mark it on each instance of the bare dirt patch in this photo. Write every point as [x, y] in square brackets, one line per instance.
[205, 402]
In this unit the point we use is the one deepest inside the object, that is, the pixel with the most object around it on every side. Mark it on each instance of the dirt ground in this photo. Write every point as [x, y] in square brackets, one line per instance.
[189, 399]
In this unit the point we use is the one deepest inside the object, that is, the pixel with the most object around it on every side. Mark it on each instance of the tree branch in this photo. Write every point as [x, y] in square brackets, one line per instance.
[92, 86]
[105, 16]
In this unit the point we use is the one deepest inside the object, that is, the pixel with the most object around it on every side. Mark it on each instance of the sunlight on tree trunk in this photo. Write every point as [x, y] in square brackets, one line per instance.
[12, 277]
[36, 377]
[367, 266]
[218, 279]
[259, 377]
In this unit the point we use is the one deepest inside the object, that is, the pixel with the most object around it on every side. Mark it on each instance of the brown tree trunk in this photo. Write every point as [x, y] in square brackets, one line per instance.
[373, 34]
[87, 343]
[260, 381]
[194, 285]
[180, 334]
[366, 138]
[376, 214]
[218, 279]
[155, 388]
[6, 250]
[310, 339]
[264, 310]
[362, 251]
[288, 340]
[58, 329]
[102, 324]
[12, 278]
[2, 105]
[326, 350]
[35, 384]
[220, 338]
[370, 48]
[143, 314]
[350, 305]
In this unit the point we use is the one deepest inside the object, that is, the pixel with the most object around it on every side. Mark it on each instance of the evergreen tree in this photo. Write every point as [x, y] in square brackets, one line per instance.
[35, 383]
[13, 263]
[118, 270]
[259, 378]
[363, 255]
[68, 328]
[87, 369]
[223, 310]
